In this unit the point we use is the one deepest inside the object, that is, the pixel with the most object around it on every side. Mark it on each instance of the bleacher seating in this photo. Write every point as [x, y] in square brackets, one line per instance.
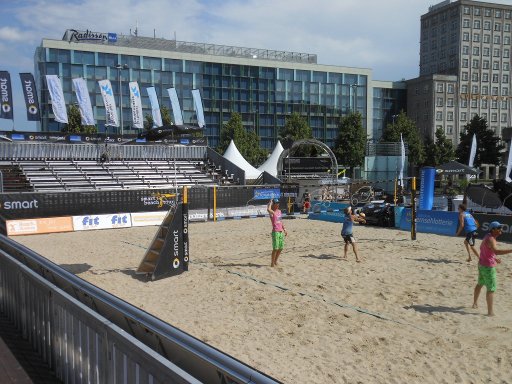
[58, 175]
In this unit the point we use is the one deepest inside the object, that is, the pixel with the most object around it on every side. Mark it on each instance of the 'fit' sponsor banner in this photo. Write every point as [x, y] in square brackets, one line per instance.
[117, 220]
[38, 226]
[136, 104]
[57, 97]
[5, 96]
[142, 219]
[29, 92]
[84, 101]
[110, 103]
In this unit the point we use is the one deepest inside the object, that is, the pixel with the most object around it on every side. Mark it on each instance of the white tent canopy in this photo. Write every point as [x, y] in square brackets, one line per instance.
[233, 154]
[270, 165]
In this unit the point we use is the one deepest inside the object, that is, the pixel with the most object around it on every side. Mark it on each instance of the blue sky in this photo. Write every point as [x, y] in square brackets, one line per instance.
[379, 34]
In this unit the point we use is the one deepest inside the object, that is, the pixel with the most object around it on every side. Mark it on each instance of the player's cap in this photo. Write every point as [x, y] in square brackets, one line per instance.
[275, 201]
[495, 225]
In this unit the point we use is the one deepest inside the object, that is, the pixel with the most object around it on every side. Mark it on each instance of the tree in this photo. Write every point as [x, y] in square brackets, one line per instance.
[350, 144]
[489, 145]
[247, 142]
[74, 124]
[296, 128]
[439, 151]
[166, 118]
[405, 126]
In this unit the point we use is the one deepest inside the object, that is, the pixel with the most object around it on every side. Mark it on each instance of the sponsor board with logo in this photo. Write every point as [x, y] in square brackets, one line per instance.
[118, 220]
[38, 226]
[142, 219]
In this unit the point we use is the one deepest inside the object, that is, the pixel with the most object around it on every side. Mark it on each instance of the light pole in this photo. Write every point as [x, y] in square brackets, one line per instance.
[119, 67]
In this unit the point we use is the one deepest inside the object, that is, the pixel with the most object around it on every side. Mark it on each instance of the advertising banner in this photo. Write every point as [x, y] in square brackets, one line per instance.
[155, 107]
[6, 110]
[136, 105]
[267, 193]
[118, 220]
[439, 222]
[110, 103]
[29, 92]
[427, 176]
[142, 219]
[175, 104]
[38, 226]
[57, 98]
[84, 101]
[198, 105]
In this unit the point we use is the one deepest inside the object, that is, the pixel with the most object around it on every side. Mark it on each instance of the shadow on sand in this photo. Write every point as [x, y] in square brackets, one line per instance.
[427, 308]
[436, 261]
[321, 257]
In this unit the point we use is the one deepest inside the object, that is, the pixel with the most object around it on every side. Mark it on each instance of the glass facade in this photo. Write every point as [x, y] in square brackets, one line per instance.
[387, 103]
[263, 95]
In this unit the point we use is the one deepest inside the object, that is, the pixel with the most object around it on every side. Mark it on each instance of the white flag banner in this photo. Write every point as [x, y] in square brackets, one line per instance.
[509, 163]
[155, 107]
[110, 103]
[175, 104]
[84, 101]
[57, 97]
[198, 104]
[473, 151]
[402, 152]
[136, 104]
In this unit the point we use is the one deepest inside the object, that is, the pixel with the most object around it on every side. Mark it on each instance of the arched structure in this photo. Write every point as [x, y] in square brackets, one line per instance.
[314, 142]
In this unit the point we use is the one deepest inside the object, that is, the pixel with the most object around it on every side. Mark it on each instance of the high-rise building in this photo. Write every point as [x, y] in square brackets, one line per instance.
[264, 86]
[465, 49]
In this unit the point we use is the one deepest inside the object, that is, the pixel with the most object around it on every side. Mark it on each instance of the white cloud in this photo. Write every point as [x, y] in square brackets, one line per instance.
[11, 34]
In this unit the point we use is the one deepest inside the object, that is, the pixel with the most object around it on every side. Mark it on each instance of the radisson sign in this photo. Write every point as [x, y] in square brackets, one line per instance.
[75, 36]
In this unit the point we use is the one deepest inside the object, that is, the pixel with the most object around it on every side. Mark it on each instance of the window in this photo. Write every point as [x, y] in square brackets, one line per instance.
[497, 27]
[506, 40]
[439, 102]
[495, 78]
[449, 116]
[503, 104]
[465, 36]
[476, 51]
[450, 88]
[465, 23]
[449, 129]
[496, 39]
[465, 50]
[463, 103]
[496, 65]
[485, 77]
[465, 63]
[484, 103]
[486, 51]
[484, 116]
[485, 90]
[487, 39]
[475, 63]
[504, 91]
[440, 87]
[505, 79]
[503, 118]
[507, 14]
[449, 102]
[474, 103]
[476, 11]
[485, 64]
[487, 12]
[476, 37]
[463, 116]
[439, 115]
[476, 24]
[464, 89]
[474, 89]
[506, 53]
[494, 117]
[466, 11]
[494, 104]
[487, 25]
[506, 66]
[497, 13]
[506, 27]
[465, 76]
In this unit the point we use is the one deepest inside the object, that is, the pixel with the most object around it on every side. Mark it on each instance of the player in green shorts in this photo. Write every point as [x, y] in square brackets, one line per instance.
[278, 230]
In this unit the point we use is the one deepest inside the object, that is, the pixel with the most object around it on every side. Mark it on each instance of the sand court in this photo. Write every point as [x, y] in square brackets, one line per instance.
[402, 315]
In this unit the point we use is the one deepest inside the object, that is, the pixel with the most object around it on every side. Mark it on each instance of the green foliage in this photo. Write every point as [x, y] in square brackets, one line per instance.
[296, 128]
[489, 145]
[247, 143]
[74, 124]
[166, 118]
[439, 152]
[350, 144]
[405, 126]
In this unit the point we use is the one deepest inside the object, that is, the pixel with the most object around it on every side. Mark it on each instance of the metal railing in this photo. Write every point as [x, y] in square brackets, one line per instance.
[59, 151]
[65, 320]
